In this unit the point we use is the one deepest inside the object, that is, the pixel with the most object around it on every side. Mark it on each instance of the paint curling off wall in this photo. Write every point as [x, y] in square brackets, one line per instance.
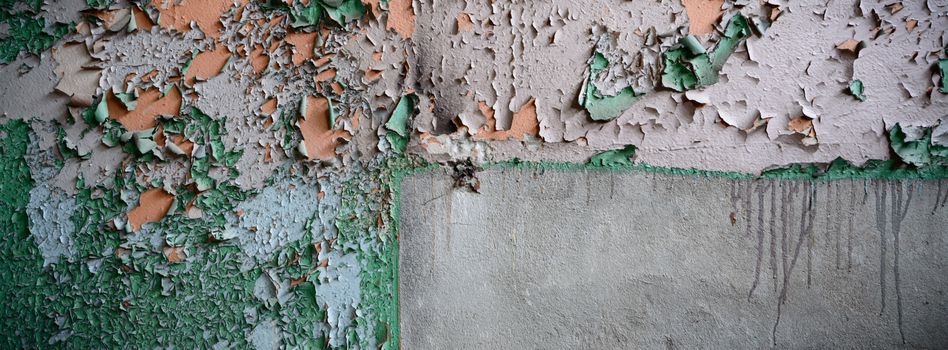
[225, 173]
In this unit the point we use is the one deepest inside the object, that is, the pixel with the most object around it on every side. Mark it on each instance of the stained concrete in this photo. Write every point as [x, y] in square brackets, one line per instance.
[620, 260]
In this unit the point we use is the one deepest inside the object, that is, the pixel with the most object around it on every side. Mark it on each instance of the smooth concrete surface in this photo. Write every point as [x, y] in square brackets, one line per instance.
[629, 260]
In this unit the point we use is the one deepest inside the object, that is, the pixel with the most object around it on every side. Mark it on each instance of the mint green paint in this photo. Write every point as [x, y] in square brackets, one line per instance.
[920, 152]
[600, 106]
[943, 70]
[690, 66]
[27, 29]
[614, 158]
[397, 123]
[856, 89]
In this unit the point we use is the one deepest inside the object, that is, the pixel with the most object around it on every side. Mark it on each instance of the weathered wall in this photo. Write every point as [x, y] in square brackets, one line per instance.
[587, 258]
[229, 169]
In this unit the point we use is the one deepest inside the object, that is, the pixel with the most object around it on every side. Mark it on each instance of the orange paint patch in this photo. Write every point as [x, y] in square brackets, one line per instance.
[160, 136]
[849, 45]
[377, 56]
[174, 254]
[337, 88]
[269, 107]
[374, 7]
[702, 15]
[153, 205]
[147, 108]
[910, 24]
[184, 144]
[151, 75]
[372, 75]
[326, 74]
[524, 122]
[303, 45]
[401, 18]
[178, 15]
[103, 15]
[208, 64]
[464, 23]
[322, 61]
[356, 118]
[141, 19]
[259, 59]
[802, 125]
[320, 139]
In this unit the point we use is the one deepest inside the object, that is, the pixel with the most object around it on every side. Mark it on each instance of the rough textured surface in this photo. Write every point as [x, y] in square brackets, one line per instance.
[224, 173]
[618, 260]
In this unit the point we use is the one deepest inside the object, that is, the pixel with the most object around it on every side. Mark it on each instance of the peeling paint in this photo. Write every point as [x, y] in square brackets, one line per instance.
[225, 173]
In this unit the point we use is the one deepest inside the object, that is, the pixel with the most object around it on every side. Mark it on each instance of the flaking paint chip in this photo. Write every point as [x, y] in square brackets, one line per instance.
[153, 205]
[464, 23]
[319, 138]
[851, 45]
[524, 123]
[208, 64]
[149, 105]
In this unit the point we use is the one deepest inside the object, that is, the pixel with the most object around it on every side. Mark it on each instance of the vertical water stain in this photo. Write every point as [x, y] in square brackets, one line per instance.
[807, 216]
[748, 210]
[881, 192]
[850, 215]
[939, 198]
[835, 203]
[807, 221]
[898, 211]
[762, 188]
[841, 202]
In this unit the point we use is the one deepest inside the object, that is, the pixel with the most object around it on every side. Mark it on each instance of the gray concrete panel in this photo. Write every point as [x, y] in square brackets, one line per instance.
[622, 260]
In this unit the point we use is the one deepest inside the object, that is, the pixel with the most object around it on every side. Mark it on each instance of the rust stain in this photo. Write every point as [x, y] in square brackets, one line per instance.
[153, 205]
[401, 18]
[524, 122]
[206, 13]
[702, 15]
[320, 138]
[303, 45]
[149, 105]
[208, 64]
